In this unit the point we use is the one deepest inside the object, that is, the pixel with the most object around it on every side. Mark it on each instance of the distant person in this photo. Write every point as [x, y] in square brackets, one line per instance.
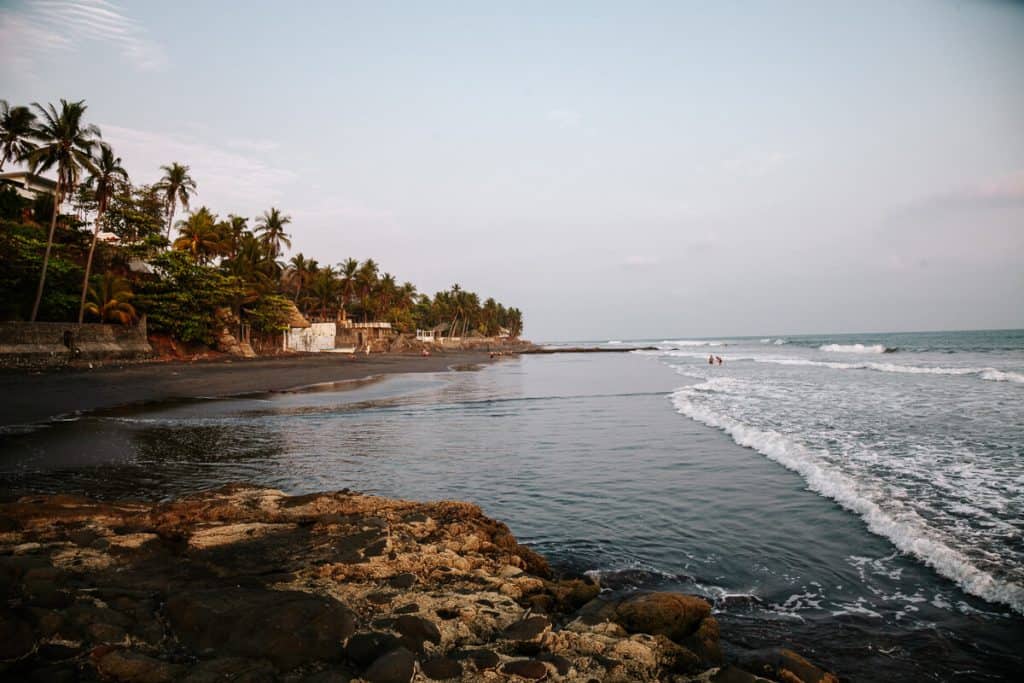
[711, 360]
[719, 359]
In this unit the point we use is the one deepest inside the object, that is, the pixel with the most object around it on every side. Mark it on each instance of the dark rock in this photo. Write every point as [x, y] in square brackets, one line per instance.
[408, 609]
[232, 669]
[670, 614]
[328, 677]
[42, 593]
[105, 633]
[483, 659]
[287, 627]
[363, 648]
[402, 581]
[448, 614]
[732, 674]
[396, 666]
[380, 598]
[16, 638]
[784, 664]
[526, 668]
[441, 668]
[55, 673]
[56, 652]
[528, 629]
[135, 667]
[562, 665]
[417, 630]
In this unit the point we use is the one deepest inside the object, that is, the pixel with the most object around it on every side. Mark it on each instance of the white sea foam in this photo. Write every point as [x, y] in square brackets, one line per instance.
[907, 530]
[853, 348]
[691, 342]
[613, 341]
[991, 374]
[994, 375]
[779, 342]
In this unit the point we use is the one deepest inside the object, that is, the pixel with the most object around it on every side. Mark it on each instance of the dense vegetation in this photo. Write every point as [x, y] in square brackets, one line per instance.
[103, 248]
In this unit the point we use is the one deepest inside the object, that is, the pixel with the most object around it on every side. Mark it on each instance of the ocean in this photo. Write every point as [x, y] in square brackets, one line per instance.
[858, 497]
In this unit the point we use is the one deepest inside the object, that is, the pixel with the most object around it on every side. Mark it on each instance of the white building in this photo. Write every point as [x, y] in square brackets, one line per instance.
[28, 185]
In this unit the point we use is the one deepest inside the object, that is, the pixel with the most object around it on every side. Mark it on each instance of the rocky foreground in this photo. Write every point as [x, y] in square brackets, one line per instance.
[247, 584]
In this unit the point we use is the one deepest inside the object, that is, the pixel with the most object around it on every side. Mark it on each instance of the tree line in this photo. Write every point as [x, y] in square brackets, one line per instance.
[181, 280]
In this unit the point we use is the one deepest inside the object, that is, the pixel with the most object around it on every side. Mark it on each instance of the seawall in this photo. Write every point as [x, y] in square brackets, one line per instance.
[58, 344]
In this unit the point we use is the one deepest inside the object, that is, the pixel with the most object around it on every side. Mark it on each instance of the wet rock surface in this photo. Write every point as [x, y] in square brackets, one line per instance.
[246, 583]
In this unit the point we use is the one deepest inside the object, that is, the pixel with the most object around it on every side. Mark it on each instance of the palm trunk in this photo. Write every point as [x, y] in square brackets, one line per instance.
[170, 220]
[46, 256]
[298, 289]
[88, 270]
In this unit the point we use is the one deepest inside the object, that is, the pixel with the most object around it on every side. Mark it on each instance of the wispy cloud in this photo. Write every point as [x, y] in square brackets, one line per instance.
[565, 118]
[39, 28]
[229, 180]
[997, 192]
[637, 262]
[754, 165]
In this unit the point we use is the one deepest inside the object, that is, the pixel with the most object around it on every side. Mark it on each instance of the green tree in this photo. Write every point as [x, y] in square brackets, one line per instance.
[270, 229]
[299, 269]
[183, 297]
[102, 181]
[233, 229]
[110, 299]
[64, 142]
[16, 128]
[176, 185]
[200, 236]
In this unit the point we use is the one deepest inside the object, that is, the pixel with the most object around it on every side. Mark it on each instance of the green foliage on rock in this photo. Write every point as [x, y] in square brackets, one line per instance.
[269, 313]
[182, 299]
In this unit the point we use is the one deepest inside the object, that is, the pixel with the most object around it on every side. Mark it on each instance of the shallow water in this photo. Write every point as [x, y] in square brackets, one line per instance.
[606, 463]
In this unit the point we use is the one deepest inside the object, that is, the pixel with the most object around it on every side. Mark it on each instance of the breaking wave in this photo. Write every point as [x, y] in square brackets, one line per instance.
[856, 348]
[688, 342]
[905, 529]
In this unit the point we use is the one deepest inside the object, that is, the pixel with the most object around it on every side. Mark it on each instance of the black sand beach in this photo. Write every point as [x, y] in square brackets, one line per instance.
[27, 397]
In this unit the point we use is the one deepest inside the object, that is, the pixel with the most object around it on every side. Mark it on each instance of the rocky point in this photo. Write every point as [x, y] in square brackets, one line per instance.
[247, 584]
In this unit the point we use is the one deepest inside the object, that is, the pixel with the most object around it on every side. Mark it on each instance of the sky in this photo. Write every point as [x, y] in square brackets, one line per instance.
[615, 170]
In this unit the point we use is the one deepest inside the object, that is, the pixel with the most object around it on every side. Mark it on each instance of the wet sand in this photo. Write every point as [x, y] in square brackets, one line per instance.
[27, 397]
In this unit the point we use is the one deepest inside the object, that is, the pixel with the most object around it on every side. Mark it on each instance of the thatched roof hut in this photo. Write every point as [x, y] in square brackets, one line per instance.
[295, 317]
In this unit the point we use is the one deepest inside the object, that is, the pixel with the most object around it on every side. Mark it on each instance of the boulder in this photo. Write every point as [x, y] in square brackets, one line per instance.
[134, 667]
[784, 665]
[528, 629]
[396, 666]
[441, 668]
[288, 628]
[530, 669]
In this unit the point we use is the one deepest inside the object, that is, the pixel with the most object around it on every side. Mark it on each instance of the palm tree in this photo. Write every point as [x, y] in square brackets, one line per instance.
[16, 125]
[102, 182]
[300, 271]
[270, 228]
[176, 186]
[66, 143]
[234, 228]
[109, 300]
[349, 269]
[366, 280]
[324, 289]
[199, 235]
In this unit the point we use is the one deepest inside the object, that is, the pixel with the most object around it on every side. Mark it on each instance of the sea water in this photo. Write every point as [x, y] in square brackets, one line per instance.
[857, 497]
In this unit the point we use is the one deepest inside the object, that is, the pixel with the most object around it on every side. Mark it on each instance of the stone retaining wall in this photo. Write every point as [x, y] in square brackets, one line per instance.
[57, 344]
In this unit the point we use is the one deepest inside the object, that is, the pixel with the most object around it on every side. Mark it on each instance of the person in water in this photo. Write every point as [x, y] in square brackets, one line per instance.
[719, 359]
[711, 360]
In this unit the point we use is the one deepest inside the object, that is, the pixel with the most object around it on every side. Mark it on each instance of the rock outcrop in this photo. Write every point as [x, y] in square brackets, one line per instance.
[247, 584]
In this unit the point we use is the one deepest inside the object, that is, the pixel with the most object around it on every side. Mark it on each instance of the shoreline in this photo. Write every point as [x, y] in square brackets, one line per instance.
[28, 398]
[245, 581]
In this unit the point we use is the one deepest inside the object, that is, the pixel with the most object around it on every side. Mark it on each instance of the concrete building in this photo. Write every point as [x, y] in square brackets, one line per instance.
[28, 185]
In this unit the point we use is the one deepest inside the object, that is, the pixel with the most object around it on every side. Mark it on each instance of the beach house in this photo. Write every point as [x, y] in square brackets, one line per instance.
[28, 185]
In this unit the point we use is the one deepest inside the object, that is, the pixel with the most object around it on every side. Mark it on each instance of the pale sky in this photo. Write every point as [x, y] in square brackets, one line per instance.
[616, 170]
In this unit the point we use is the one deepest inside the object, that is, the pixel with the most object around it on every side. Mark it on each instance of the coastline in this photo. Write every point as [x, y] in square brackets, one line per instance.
[34, 397]
[244, 581]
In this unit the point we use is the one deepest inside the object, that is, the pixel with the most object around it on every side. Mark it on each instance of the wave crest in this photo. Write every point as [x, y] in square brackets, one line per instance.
[907, 531]
[855, 348]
